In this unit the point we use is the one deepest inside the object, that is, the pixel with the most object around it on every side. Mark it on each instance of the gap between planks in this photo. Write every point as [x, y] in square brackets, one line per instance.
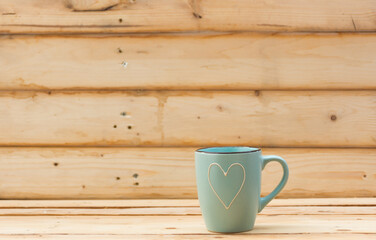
[181, 211]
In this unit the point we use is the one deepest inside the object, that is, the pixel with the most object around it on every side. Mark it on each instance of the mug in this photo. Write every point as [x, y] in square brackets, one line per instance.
[228, 185]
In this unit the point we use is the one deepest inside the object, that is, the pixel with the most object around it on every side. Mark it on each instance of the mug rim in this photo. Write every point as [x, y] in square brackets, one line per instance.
[252, 149]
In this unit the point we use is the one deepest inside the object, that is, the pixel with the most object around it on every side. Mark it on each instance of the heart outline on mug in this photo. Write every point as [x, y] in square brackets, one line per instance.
[225, 173]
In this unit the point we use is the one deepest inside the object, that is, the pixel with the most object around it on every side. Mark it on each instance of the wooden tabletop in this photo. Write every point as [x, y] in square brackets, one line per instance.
[344, 218]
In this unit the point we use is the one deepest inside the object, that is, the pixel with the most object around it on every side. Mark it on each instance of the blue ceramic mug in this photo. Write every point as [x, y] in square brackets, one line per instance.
[229, 183]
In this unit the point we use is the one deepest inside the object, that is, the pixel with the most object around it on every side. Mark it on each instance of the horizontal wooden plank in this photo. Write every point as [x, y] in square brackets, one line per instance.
[235, 61]
[320, 119]
[81, 173]
[309, 236]
[281, 224]
[169, 203]
[117, 16]
[76, 118]
[266, 118]
[180, 211]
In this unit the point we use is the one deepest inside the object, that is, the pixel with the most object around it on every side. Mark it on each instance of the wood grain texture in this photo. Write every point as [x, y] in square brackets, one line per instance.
[81, 173]
[236, 61]
[266, 118]
[135, 225]
[93, 220]
[326, 119]
[43, 16]
[75, 118]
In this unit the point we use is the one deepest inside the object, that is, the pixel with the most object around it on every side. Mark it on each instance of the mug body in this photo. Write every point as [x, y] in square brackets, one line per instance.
[228, 185]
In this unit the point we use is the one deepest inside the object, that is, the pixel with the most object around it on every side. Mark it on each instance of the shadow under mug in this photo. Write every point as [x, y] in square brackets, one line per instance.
[229, 186]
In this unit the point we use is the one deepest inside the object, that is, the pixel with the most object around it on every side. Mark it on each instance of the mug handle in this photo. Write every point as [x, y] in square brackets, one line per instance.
[265, 160]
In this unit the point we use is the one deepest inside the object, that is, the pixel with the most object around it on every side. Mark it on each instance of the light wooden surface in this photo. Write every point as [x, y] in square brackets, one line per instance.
[266, 118]
[46, 16]
[198, 236]
[235, 61]
[72, 173]
[94, 220]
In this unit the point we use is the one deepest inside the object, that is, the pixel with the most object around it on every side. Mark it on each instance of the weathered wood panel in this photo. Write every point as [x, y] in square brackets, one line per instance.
[272, 118]
[78, 118]
[69, 173]
[236, 61]
[266, 118]
[117, 16]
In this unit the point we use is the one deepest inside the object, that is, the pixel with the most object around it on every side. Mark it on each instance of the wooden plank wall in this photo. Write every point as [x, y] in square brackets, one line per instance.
[297, 78]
